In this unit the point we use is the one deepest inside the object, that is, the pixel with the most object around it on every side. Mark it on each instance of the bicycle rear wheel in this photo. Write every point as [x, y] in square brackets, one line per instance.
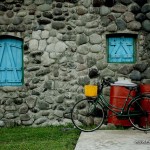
[140, 116]
[87, 115]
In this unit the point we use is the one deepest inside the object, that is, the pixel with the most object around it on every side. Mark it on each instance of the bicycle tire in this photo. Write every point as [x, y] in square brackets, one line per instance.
[141, 118]
[87, 115]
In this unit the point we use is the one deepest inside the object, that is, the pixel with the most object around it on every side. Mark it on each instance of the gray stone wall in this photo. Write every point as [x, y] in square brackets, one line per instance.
[62, 41]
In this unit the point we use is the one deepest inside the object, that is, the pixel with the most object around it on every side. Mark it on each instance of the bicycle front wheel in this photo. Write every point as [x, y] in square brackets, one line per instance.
[139, 113]
[87, 115]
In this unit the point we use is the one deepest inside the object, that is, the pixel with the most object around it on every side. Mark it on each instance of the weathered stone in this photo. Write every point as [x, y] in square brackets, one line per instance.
[48, 15]
[135, 8]
[4, 20]
[126, 2]
[140, 17]
[57, 11]
[44, 7]
[3, 7]
[42, 45]
[2, 124]
[35, 92]
[10, 108]
[44, 21]
[135, 75]
[60, 99]
[60, 47]
[58, 113]
[45, 34]
[146, 8]
[128, 16]
[10, 13]
[107, 73]
[95, 39]
[1, 115]
[28, 122]
[59, 18]
[140, 2]
[33, 44]
[91, 62]
[35, 80]
[104, 10]
[146, 81]
[34, 68]
[24, 117]
[23, 109]
[83, 80]
[40, 120]
[49, 84]
[86, 3]
[28, 2]
[22, 13]
[92, 24]
[58, 25]
[146, 25]
[49, 1]
[119, 8]
[121, 24]
[101, 65]
[81, 39]
[80, 59]
[81, 10]
[134, 25]
[43, 72]
[17, 20]
[31, 101]
[95, 48]
[80, 23]
[81, 67]
[39, 2]
[10, 115]
[112, 27]
[146, 74]
[45, 59]
[148, 15]
[105, 21]
[125, 70]
[18, 101]
[83, 49]
[43, 105]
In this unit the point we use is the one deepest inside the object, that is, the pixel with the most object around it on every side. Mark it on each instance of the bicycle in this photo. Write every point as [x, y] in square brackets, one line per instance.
[89, 114]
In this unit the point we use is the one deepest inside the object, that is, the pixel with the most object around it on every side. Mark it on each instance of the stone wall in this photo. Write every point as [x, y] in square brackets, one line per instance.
[62, 41]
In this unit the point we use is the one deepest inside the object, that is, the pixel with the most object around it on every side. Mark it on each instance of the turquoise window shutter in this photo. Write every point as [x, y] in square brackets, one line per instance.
[121, 49]
[11, 62]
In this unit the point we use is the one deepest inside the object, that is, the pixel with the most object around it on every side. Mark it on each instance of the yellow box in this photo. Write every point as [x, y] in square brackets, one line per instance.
[90, 90]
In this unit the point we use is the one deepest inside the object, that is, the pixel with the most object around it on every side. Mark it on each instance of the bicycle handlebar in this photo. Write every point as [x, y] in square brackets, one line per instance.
[107, 81]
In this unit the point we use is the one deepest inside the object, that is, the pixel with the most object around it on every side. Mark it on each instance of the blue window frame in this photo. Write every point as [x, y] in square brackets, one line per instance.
[11, 61]
[121, 49]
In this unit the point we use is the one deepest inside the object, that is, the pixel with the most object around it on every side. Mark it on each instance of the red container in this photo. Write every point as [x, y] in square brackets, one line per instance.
[145, 88]
[118, 95]
[144, 120]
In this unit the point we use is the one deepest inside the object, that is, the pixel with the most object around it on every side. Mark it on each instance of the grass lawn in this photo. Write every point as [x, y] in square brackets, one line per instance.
[40, 138]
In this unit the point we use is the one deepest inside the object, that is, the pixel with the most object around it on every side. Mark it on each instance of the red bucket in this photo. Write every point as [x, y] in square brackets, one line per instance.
[145, 89]
[118, 95]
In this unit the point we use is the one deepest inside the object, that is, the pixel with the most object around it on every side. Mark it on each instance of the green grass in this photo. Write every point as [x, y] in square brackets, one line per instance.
[40, 138]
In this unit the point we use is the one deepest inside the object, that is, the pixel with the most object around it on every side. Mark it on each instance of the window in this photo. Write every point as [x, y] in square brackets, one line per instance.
[121, 48]
[11, 61]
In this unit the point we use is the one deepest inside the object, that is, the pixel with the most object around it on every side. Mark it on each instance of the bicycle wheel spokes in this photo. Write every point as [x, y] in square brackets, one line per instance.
[141, 117]
[87, 115]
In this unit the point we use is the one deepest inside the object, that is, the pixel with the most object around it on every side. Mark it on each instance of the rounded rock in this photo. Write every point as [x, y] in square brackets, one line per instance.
[146, 25]
[146, 8]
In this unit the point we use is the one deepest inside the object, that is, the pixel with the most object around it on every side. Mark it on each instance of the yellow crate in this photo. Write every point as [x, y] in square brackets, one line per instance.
[90, 90]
